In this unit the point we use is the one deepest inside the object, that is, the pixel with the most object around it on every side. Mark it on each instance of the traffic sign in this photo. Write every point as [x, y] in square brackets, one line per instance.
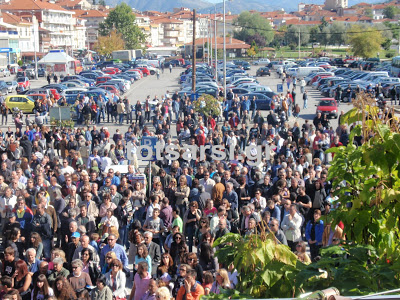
[279, 88]
[149, 141]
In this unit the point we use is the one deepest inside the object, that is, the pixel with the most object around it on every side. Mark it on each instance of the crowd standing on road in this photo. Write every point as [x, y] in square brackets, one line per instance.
[72, 223]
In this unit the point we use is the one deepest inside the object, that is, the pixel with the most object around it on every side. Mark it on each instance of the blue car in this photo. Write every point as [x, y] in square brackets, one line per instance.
[263, 102]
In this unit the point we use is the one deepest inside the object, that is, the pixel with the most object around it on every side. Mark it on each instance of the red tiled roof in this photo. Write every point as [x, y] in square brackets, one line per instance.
[30, 5]
[234, 44]
[92, 13]
[13, 19]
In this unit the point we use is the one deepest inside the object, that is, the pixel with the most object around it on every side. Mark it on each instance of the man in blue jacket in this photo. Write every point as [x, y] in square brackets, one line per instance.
[314, 232]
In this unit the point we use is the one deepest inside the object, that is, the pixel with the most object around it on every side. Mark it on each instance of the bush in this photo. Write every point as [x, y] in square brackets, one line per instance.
[390, 54]
[292, 46]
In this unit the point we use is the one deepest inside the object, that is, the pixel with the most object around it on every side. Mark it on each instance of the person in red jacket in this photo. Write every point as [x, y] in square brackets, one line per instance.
[211, 121]
[234, 121]
[201, 139]
[335, 143]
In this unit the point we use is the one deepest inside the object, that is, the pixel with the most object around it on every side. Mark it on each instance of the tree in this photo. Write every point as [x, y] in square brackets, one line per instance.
[324, 36]
[313, 34]
[258, 39]
[107, 44]
[390, 11]
[365, 42]
[292, 35]
[102, 2]
[207, 105]
[249, 24]
[266, 268]
[122, 20]
[368, 13]
[338, 33]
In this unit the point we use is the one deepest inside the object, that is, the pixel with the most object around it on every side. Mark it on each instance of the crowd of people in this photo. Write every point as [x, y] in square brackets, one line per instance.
[72, 224]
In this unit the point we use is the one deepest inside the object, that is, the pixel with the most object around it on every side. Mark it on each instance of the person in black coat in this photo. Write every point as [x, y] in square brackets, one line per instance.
[26, 145]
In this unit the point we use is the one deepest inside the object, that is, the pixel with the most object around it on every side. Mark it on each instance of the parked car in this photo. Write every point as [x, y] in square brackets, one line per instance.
[41, 72]
[24, 82]
[12, 86]
[263, 102]
[22, 102]
[263, 71]
[328, 106]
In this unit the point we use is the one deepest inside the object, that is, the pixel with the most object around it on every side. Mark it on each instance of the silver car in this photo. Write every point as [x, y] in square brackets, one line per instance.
[12, 86]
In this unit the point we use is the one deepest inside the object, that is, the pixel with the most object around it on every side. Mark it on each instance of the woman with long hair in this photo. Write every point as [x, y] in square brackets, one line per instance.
[41, 290]
[157, 190]
[301, 253]
[116, 279]
[13, 241]
[89, 265]
[22, 279]
[221, 281]
[192, 261]
[166, 266]
[107, 204]
[190, 222]
[109, 257]
[206, 258]
[142, 255]
[182, 194]
[35, 242]
[177, 247]
[170, 190]
[63, 289]
[200, 231]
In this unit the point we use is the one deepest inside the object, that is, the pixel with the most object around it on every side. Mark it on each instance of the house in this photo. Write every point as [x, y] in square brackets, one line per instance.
[75, 4]
[59, 21]
[234, 47]
[28, 34]
[93, 19]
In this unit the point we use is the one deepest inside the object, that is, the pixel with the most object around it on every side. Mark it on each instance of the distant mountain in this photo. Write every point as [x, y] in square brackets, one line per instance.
[232, 6]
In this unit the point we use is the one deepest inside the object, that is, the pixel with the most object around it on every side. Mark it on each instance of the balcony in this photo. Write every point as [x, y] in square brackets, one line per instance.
[45, 39]
[171, 34]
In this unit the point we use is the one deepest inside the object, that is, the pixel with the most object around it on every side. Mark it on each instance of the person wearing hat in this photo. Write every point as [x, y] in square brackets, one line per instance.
[73, 245]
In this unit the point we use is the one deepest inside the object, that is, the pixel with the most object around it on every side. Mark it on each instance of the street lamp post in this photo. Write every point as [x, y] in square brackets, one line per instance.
[224, 50]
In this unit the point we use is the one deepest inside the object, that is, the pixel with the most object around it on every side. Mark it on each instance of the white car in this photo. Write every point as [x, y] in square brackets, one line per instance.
[12, 86]
[262, 61]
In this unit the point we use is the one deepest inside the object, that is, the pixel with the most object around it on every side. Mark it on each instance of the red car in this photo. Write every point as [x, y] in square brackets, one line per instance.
[55, 94]
[329, 107]
[112, 89]
[102, 79]
[316, 77]
[41, 97]
[139, 71]
[112, 71]
[24, 81]
[144, 70]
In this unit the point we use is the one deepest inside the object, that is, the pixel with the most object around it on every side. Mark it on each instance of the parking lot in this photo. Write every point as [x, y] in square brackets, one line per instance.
[168, 82]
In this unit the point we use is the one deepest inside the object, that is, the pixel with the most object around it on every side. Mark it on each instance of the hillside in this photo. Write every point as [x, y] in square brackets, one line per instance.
[233, 6]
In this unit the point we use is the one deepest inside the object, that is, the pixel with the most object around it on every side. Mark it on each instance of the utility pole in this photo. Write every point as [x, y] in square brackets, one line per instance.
[224, 54]
[194, 53]
[34, 45]
[216, 48]
[210, 43]
[299, 42]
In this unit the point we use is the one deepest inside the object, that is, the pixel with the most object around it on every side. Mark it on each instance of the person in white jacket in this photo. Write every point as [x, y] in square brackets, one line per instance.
[291, 226]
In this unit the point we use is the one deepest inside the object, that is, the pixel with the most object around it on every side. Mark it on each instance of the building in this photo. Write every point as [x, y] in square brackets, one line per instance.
[60, 23]
[234, 47]
[335, 4]
[93, 19]
[28, 35]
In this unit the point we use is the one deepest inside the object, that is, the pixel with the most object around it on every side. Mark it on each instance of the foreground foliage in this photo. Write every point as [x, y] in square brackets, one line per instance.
[266, 269]
[366, 181]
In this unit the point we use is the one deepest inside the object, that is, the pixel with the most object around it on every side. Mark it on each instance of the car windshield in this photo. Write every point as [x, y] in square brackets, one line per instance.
[21, 79]
[30, 98]
[327, 103]
[8, 82]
